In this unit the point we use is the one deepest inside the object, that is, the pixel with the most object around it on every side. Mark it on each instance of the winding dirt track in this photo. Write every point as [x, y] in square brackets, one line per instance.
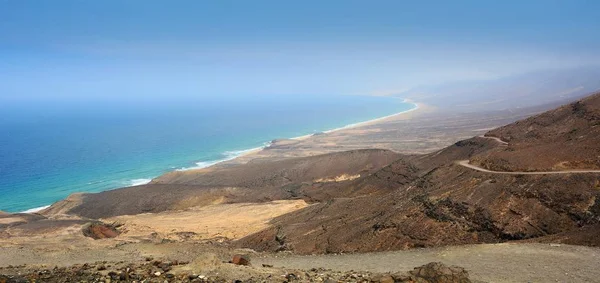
[501, 142]
[465, 163]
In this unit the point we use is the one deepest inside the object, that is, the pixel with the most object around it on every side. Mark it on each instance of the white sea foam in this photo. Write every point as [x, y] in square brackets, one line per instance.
[34, 210]
[139, 182]
[229, 155]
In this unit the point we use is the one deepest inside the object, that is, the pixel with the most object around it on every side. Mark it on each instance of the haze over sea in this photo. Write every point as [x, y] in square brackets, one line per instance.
[47, 154]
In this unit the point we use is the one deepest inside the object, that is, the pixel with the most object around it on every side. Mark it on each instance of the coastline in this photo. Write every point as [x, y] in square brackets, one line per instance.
[238, 154]
[242, 153]
[416, 107]
[257, 150]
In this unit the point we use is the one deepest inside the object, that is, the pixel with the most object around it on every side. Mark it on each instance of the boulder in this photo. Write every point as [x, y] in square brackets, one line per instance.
[240, 259]
[437, 272]
[99, 230]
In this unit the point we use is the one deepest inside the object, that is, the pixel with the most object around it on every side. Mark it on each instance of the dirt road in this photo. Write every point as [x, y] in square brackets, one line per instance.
[465, 163]
[489, 263]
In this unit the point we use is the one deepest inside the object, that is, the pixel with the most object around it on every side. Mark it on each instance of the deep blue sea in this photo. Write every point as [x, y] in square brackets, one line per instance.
[50, 151]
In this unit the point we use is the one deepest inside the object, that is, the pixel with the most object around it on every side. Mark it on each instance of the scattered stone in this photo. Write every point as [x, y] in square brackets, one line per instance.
[148, 272]
[267, 265]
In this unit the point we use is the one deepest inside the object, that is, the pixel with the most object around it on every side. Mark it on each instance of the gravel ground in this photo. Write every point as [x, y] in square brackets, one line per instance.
[490, 263]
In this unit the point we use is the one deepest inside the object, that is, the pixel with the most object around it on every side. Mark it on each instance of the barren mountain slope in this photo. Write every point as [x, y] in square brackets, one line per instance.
[281, 172]
[251, 182]
[430, 200]
[564, 138]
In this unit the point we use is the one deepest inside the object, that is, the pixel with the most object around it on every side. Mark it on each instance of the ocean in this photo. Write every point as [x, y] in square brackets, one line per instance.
[47, 153]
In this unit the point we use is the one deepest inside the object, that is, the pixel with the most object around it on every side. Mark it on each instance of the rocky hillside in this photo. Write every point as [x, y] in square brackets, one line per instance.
[564, 138]
[252, 182]
[430, 200]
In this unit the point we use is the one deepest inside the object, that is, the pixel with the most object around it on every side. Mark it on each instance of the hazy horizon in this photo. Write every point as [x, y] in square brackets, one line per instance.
[114, 51]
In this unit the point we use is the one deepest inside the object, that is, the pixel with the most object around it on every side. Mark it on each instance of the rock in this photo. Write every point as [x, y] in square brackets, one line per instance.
[99, 230]
[157, 273]
[437, 272]
[240, 259]
[113, 275]
[165, 266]
[291, 277]
[385, 279]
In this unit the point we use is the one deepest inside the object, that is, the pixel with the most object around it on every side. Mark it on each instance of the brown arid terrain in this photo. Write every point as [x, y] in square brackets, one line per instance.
[564, 138]
[430, 200]
[506, 204]
[250, 182]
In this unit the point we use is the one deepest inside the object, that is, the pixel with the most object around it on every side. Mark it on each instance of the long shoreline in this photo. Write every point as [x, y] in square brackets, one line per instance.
[303, 137]
[365, 123]
[241, 153]
[374, 121]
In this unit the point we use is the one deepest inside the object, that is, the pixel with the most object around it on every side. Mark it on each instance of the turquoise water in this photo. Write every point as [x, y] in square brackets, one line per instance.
[48, 153]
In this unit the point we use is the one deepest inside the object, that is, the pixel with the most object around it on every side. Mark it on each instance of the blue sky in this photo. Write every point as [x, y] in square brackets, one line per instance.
[52, 51]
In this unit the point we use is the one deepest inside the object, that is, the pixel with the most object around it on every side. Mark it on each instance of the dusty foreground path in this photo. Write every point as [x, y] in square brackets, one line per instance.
[465, 163]
[489, 263]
